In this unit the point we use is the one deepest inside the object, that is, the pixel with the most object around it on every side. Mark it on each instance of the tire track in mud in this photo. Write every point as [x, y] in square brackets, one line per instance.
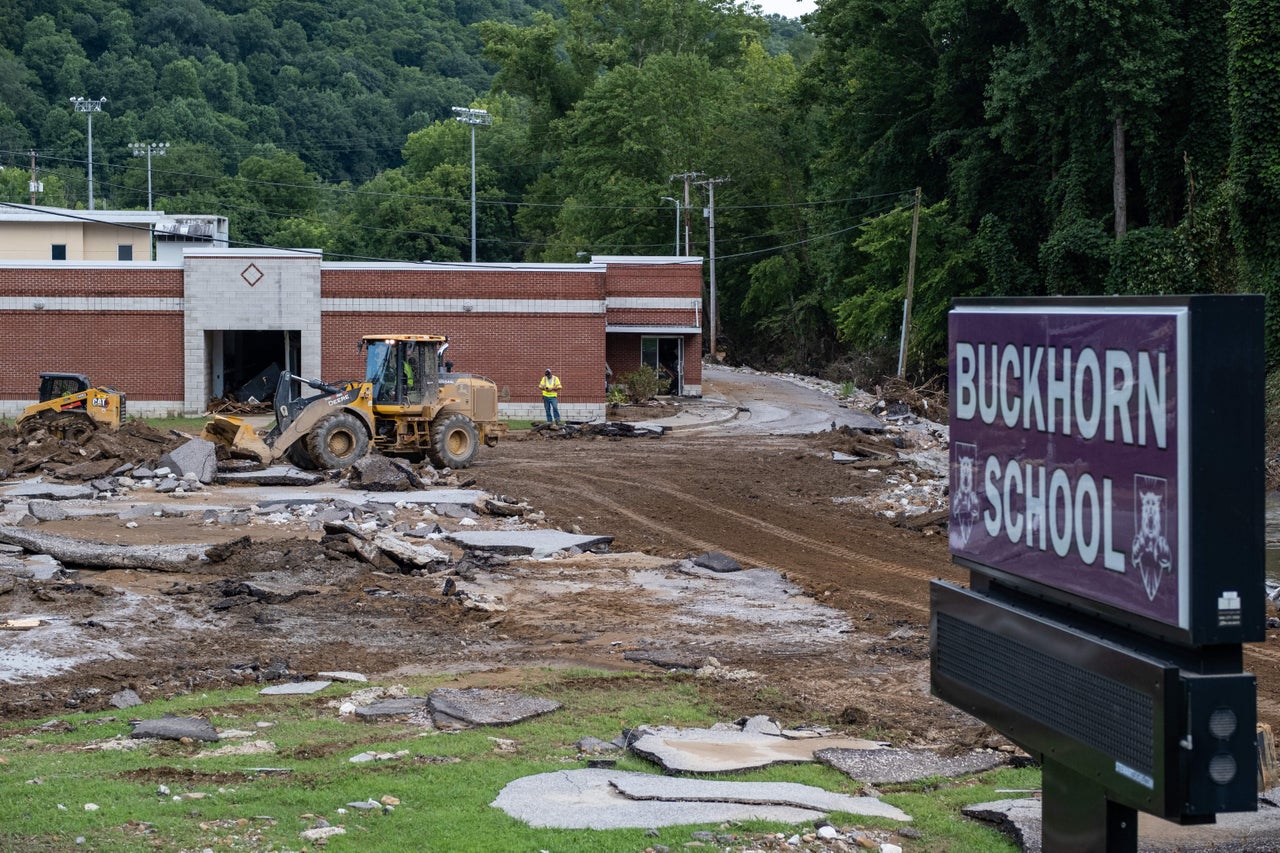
[862, 559]
[686, 492]
[555, 473]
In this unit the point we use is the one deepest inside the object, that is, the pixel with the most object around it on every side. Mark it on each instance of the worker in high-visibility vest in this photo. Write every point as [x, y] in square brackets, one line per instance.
[550, 388]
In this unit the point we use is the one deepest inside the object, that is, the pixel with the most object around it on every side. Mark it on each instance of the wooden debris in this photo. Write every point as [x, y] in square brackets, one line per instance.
[1267, 770]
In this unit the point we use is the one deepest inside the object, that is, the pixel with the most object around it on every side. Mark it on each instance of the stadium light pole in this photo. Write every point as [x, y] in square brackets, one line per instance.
[149, 149]
[473, 117]
[675, 201]
[89, 106]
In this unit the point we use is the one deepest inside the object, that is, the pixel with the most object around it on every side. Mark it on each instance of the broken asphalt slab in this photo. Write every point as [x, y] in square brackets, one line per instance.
[390, 708]
[33, 490]
[196, 457]
[478, 707]
[890, 766]
[729, 751]
[648, 786]
[82, 552]
[588, 799]
[1019, 819]
[452, 708]
[175, 728]
[717, 562]
[535, 543]
[276, 475]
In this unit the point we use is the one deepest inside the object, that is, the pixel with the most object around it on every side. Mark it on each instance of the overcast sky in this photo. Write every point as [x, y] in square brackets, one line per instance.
[787, 8]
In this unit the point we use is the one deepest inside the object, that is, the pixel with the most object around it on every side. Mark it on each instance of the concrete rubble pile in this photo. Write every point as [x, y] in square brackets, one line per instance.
[103, 453]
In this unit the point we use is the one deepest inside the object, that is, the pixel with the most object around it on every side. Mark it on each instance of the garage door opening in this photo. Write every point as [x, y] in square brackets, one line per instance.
[244, 365]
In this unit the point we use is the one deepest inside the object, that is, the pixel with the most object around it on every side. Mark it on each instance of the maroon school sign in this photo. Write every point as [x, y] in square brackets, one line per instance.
[1072, 454]
[1107, 498]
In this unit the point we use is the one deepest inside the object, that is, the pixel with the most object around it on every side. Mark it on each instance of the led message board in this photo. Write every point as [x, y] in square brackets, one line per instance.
[1088, 463]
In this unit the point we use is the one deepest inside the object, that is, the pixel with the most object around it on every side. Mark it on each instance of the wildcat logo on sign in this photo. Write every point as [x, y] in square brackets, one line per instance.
[1066, 429]
[1150, 552]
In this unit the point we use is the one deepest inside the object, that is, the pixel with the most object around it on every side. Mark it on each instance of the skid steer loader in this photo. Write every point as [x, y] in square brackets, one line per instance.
[70, 408]
[405, 406]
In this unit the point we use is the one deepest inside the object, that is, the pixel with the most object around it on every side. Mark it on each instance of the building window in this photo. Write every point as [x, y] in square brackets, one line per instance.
[124, 252]
[59, 251]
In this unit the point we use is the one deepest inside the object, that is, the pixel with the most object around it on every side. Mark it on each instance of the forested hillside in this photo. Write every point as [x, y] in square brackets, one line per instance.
[1060, 146]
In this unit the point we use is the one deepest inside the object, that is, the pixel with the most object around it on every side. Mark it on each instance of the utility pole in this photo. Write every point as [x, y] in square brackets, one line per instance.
[688, 225]
[713, 318]
[911, 283]
[147, 149]
[34, 186]
[89, 106]
[473, 118]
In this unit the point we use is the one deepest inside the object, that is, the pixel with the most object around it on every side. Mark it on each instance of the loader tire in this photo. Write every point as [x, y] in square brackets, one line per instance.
[337, 441]
[299, 457]
[454, 441]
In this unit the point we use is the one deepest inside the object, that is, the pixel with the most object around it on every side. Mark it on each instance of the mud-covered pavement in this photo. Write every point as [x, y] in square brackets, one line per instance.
[837, 633]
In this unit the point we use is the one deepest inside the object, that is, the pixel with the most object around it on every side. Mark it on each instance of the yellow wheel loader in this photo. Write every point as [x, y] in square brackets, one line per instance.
[71, 409]
[406, 405]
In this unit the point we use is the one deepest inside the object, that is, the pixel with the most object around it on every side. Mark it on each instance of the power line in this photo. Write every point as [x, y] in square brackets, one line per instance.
[330, 188]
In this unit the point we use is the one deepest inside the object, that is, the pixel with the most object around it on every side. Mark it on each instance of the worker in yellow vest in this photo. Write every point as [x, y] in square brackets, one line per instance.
[550, 387]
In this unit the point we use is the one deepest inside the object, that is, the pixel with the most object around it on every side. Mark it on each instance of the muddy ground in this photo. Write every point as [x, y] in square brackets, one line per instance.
[846, 642]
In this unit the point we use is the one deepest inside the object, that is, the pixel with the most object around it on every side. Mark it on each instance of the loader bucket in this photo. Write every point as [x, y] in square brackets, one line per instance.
[238, 436]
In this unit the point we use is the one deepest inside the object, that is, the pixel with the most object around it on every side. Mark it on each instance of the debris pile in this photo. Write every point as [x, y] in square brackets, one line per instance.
[232, 406]
[898, 399]
[602, 429]
[102, 453]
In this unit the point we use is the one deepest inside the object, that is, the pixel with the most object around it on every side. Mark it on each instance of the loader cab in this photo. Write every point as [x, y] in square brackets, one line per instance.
[403, 369]
[55, 385]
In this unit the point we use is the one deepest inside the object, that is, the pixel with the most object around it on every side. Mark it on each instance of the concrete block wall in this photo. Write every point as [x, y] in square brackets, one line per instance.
[238, 289]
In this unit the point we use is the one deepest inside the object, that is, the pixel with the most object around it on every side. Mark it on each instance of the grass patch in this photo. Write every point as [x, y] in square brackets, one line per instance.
[191, 426]
[173, 796]
[515, 424]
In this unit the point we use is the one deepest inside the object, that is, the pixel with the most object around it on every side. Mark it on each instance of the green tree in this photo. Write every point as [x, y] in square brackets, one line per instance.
[50, 53]
[278, 181]
[870, 317]
[1255, 153]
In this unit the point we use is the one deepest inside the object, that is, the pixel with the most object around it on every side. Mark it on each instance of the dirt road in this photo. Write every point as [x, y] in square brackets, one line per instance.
[844, 639]
[756, 488]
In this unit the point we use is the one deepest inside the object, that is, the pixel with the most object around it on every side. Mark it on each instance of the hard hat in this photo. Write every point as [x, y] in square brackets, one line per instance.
[548, 371]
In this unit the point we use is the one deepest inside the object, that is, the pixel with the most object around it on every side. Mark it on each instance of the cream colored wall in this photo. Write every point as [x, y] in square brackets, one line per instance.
[23, 241]
[100, 242]
[85, 241]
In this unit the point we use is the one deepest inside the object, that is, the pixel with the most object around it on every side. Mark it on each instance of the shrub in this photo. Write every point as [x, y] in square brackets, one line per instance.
[643, 384]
